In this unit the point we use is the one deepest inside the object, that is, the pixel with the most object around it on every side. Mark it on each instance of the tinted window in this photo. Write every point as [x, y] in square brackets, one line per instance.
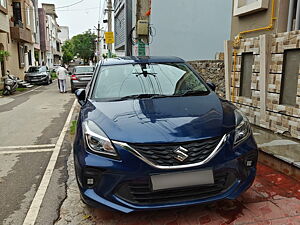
[134, 79]
[86, 69]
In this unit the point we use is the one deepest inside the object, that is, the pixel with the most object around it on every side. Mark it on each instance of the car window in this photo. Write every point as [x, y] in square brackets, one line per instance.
[43, 69]
[170, 79]
[86, 69]
[33, 69]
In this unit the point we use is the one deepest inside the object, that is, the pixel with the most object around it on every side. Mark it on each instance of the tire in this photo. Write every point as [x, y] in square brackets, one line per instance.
[5, 92]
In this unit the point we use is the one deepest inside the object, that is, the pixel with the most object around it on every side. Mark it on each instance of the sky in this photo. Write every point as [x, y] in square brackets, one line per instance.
[79, 17]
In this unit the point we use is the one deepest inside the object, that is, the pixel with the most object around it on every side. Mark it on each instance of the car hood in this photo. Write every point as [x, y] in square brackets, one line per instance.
[162, 120]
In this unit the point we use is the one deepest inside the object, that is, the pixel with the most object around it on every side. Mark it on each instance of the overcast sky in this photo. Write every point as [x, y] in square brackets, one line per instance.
[79, 17]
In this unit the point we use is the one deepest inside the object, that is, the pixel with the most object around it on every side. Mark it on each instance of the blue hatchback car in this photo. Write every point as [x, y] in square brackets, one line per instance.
[152, 134]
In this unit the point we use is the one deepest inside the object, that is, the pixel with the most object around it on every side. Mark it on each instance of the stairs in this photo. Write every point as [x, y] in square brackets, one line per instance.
[24, 84]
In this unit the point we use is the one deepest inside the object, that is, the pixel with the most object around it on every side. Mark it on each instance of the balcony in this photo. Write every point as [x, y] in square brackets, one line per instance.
[20, 34]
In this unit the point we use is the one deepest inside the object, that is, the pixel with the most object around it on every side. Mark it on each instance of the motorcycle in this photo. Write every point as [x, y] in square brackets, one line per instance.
[10, 84]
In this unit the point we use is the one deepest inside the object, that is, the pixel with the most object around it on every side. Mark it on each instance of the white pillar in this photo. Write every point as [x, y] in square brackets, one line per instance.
[265, 58]
[291, 12]
[228, 67]
[297, 26]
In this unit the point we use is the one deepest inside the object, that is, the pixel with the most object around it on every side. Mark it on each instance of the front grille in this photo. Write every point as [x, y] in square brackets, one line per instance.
[36, 77]
[141, 193]
[164, 155]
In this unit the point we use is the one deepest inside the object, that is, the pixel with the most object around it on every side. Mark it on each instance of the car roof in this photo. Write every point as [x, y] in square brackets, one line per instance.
[141, 59]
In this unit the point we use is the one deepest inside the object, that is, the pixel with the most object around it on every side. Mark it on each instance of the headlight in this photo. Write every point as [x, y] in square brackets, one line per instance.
[242, 129]
[96, 139]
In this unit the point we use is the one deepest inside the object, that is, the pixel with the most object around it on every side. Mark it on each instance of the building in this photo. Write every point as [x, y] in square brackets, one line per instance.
[45, 38]
[64, 34]
[20, 40]
[55, 54]
[4, 33]
[262, 63]
[123, 19]
[173, 27]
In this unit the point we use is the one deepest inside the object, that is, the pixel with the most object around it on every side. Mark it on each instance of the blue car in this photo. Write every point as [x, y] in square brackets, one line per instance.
[152, 134]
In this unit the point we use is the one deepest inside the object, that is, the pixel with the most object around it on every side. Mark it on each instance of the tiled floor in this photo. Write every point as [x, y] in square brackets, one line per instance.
[274, 198]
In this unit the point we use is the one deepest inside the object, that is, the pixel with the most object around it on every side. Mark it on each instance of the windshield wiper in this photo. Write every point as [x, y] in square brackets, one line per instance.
[140, 96]
[193, 93]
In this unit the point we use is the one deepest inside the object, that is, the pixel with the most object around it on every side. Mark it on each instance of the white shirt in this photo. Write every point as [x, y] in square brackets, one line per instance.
[62, 73]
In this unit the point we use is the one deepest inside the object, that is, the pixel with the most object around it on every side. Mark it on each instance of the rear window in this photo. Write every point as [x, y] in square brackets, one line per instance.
[87, 69]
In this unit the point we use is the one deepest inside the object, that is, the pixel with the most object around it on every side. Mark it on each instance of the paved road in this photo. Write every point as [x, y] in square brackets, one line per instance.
[31, 124]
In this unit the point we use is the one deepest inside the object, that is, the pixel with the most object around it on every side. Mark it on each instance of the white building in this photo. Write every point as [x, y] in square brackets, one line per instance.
[64, 34]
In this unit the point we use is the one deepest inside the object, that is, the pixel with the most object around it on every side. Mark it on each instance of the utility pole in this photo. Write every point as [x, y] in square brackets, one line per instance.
[98, 42]
[109, 17]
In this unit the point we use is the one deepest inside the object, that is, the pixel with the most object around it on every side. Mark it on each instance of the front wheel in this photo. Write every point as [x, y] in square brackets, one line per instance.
[6, 92]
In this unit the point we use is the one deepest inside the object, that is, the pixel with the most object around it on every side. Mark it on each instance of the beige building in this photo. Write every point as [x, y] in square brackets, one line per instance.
[262, 63]
[19, 39]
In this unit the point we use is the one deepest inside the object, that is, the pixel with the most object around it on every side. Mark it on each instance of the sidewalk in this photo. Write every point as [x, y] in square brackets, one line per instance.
[279, 152]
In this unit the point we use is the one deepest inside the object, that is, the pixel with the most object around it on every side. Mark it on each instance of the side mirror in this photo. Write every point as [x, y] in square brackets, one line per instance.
[80, 95]
[70, 73]
[211, 85]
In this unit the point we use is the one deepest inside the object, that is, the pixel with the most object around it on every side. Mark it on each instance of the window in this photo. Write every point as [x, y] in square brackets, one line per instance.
[17, 14]
[243, 7]
[289, 80]
[28, 19]
[21, 55]
[3, 4]
[246, 74]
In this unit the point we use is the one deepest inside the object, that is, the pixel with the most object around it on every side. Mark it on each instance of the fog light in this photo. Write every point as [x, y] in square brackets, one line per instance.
[90, 181]
[249, 163]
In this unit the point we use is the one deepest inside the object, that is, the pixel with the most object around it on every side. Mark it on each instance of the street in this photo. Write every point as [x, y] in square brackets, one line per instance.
[34, 129]
[31, 124]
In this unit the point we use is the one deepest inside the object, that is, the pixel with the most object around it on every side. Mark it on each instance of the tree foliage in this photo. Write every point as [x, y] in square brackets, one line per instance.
[81, 45]
[68, 51]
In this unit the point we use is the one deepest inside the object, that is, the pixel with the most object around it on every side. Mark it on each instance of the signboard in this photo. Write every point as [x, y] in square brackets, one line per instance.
[141, 49]
[109, 37]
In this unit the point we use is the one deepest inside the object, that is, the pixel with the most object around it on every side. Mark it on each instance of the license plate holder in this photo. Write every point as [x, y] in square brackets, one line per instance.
[182, 179]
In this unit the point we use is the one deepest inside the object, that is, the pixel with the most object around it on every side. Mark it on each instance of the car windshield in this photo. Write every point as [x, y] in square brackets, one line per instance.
[85, 69]
[120, 82]
[37, 69]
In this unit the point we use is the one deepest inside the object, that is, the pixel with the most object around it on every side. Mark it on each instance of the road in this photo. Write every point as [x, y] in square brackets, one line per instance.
[31, 124]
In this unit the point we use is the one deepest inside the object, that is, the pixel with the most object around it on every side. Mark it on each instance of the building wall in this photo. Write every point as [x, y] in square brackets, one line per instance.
[212, 71]
[192, 29]
[64, 34]
[261, 19]
[278, 117]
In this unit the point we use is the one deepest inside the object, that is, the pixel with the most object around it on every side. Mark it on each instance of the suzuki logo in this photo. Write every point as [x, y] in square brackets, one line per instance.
[181, 154]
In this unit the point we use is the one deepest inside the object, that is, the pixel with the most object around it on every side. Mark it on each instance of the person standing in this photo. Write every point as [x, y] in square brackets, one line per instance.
[62, 79]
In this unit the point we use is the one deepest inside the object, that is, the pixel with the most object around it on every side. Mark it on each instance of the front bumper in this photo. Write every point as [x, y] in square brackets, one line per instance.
[113, 180]
[39, 80]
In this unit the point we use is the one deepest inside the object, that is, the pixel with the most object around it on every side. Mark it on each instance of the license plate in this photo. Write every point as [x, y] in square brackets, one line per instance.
[183, 179]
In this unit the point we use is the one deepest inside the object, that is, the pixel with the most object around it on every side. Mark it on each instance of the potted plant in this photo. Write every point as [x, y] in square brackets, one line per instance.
[3, 55]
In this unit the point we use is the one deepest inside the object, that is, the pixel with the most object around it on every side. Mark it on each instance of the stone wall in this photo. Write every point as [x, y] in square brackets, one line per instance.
[213, 71]
[278, 117]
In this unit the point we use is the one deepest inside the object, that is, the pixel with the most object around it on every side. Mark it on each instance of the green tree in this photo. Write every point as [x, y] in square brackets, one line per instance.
[68, 51]
[84, 45]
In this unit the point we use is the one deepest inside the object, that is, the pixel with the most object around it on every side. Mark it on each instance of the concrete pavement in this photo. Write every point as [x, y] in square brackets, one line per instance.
[30, 126]
[274, 198]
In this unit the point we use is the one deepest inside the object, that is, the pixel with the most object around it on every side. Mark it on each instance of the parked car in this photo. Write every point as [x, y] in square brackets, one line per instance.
[152, 134]
[81, 76]
[38, 75]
